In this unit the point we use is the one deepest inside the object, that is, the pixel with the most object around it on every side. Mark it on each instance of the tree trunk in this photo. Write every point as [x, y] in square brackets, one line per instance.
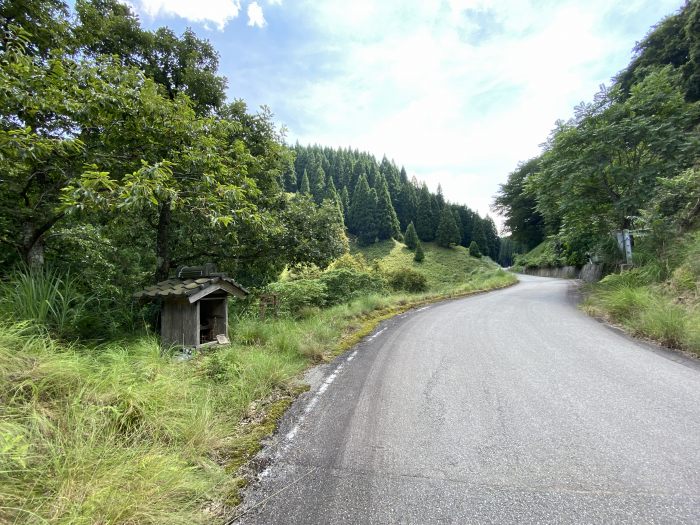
[32, 246]
[162, 242]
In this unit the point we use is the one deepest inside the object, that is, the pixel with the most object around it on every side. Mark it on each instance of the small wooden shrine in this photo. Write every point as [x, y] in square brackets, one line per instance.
[194, 306]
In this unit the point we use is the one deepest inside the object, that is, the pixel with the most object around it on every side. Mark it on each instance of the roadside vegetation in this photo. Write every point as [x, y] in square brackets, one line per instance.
[659, 299]
[627, 160]
[119, 432]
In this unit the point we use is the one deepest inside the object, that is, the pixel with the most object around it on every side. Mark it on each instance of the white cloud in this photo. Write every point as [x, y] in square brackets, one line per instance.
[255, 15]
[218, 12]
[459, 90]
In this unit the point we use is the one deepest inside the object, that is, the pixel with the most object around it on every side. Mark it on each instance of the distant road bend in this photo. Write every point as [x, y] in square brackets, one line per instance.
[508, 407]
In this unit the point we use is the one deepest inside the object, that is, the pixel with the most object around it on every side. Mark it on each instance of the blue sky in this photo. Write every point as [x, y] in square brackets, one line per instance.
[457, 91]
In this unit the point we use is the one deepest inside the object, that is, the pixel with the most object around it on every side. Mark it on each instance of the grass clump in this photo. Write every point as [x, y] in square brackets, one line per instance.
[658, 299]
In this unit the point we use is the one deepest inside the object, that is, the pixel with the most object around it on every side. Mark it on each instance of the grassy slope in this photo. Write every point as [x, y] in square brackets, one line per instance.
[444, 268]
[118, 433]
[659, 300]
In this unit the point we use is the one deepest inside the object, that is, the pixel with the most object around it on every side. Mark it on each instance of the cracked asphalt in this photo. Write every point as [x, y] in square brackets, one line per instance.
[507, 407]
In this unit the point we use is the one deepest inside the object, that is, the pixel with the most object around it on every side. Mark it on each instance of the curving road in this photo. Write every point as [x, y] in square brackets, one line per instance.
[508, 407]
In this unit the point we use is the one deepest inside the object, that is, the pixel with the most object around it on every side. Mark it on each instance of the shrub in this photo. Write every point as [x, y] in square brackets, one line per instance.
[348, 260]
[299, 294]
[474, 250]
[420, 254]
[411, 238]
[344, 284]
[408, 280]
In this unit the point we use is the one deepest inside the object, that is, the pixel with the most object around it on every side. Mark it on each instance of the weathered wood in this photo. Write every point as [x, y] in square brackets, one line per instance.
[180, 324]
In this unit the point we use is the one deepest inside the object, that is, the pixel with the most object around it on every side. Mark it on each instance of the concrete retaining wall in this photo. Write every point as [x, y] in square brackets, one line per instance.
[589, 273]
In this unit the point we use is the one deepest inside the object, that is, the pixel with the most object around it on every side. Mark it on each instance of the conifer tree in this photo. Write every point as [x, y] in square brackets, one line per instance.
[411, 238]
[479, 236]
[425, 222]
[492, 239]
[317, 182]
[363, 211]
[345, 201]
[440, 198]
[419, 256]
[406, 204]
[474, 250]
[387, 222]
[304, 187]
[447, 232]
[289, 178]
[330, 191]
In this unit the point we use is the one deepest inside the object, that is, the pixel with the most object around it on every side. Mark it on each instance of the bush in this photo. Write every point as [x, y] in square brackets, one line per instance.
[474, 250]
[411, 238]
[345, 284]
[420, 254]
[408, 280]
[299, 294]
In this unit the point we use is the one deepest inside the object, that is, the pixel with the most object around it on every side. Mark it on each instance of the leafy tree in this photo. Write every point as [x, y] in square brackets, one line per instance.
[183, 64]
[519, 207]
[45, 21]
[46, 106]
[474, 250]
[411, 238]
[419, 255]
[600, 170]
[447, 232]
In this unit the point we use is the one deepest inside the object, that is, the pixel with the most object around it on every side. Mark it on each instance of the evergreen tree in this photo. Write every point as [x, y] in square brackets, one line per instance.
[363, 211]
[317, 182]
[474, 250]
[406, 204]
[304, 186]
[330, 191]
[387, 222]
[345, 201]
[411, 238]
[492, 239]
[447, 232]
[419, 256]
[440, 198]
[425, 222]
[478, 235]
[289, 179]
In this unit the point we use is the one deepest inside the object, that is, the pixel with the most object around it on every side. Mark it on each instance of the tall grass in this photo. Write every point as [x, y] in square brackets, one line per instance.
[44, 297]
[653, 301]
[120, 433]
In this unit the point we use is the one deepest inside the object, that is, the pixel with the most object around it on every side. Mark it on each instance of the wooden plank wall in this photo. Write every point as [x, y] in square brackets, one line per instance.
[180, 324]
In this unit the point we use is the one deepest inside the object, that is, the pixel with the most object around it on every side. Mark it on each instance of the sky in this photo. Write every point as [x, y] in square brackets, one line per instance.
[456, 91]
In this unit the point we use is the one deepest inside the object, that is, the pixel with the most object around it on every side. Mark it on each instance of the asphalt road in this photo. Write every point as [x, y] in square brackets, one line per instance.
[508, 407]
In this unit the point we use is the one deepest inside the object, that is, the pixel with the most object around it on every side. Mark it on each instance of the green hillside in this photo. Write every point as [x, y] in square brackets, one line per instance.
[443, 267]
